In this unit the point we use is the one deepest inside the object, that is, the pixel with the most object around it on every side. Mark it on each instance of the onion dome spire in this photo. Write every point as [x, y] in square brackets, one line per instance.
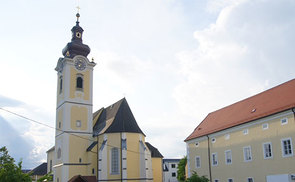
[76, 46]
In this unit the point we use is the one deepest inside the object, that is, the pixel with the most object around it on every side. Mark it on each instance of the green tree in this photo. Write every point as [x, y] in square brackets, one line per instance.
[181, 169]
[196, 178]
[47, 177]
[9, 171]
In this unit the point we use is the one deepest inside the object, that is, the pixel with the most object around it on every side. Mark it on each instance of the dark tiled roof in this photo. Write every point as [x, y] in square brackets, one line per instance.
[79, 178]
[274, 100]
[154, 151]
[40, 170]
[115, 119]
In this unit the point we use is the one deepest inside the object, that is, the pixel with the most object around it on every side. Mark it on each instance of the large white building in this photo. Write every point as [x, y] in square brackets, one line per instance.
[170, 170]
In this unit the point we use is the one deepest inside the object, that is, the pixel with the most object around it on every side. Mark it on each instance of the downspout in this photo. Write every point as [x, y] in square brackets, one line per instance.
[209, 158]
[121, 156]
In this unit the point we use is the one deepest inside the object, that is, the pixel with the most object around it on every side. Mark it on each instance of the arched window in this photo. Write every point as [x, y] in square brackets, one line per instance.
[60, 84]
[59, 153]
[79, 82]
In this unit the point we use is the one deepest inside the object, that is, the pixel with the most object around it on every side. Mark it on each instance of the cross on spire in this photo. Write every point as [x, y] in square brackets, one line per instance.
[78, 14]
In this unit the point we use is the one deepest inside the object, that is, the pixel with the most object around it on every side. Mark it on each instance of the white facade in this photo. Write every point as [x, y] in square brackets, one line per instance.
[170, 170]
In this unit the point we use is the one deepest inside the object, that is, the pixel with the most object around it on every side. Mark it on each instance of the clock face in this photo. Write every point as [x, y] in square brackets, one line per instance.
[80, 64]
[78, 34]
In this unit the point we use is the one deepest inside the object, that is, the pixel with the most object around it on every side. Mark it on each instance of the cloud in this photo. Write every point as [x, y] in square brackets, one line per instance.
[247, 50]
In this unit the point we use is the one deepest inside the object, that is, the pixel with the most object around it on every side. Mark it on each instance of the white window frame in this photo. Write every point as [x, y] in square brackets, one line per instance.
[115, 165]
[216, 158]
[213, 140]
[245, 154]
[197, 144]
[283, 148]
[265, 152]
[250, 178]
[283, 123]
[227, 136]
[198, 166]
[246, 131]
[231, 158]
[264, 126]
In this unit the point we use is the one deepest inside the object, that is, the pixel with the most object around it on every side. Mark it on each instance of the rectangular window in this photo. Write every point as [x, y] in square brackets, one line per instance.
[287, 149]
[172, 165]
[115, 161]
[245, 131]
[230, 180]
[267, 150]
[264, 126]
[198, 162]
[284, 121]
[214, 159]
[228, 157]
[216, 180]
[227, 136]
[247, 154]
[124, 144]
[173, 174]
[250, 179]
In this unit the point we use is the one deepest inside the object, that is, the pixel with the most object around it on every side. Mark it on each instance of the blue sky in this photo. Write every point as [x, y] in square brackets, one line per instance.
[174, 61]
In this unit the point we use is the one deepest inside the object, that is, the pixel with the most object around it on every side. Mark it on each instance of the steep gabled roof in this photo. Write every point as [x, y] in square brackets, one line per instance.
[116, 118]
[154, 151]
[40, 170]
[274, 100]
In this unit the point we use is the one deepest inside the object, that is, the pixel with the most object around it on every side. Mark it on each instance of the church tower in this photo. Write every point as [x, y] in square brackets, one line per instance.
[74, 110]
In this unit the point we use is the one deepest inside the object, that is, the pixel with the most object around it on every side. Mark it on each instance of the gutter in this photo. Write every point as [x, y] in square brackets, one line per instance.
[210, 172]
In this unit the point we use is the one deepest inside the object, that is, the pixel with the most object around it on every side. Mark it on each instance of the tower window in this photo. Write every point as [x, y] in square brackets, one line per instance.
[60, 84]
[93, 171]
[79, 82]
[59, 153]
[80, 160]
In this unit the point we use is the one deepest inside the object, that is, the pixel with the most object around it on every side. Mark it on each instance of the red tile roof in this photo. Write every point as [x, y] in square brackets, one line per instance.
[274, 100]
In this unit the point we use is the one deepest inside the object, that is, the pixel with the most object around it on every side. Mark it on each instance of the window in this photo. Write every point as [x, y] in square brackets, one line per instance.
[58, 153]
[250, 179]
[50, 165]
[245, 131]
[172, 165]
[93, 171]
[59, 124]
[115, 161]
[57, 179]
[198, 162]
[227, 136]
[173, 174]
[78, 123]
[214, 159]
[228, 157]
[213, 140]
[216, 180]
[197, 144]
[80, 160]
[230, 180]
[247, 154]
[79, 82]
[60, 84]
[287, 149]
[284, 121]
[267, 150]
[264, 126]
[124, 144]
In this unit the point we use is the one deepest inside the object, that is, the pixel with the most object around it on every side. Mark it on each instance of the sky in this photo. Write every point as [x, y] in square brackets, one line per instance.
[174, 61]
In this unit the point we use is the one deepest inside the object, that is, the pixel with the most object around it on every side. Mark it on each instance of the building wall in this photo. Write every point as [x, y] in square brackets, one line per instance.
[50, 157]
[157, 169]
[235, 139]
[168, 176]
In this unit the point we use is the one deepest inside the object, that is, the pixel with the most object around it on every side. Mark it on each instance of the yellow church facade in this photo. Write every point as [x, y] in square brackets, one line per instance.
[251, 140]
[107, 144]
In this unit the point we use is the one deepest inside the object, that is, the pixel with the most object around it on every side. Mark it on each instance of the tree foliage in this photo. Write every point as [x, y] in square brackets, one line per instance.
[9, 171]
[196, 178]
[181, 169]
[47, 177]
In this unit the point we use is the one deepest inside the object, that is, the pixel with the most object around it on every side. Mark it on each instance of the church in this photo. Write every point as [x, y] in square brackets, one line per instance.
[105, 145]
